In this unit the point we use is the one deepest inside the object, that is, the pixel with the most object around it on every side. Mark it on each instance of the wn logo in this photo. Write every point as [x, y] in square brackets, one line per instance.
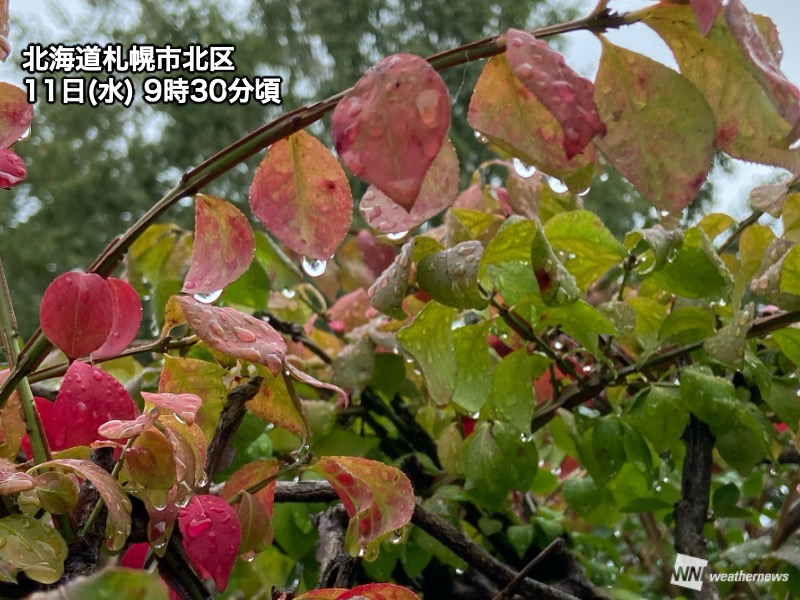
[688, 572]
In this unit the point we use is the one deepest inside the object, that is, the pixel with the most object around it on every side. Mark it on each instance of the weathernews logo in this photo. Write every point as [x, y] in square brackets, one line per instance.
[688, 573]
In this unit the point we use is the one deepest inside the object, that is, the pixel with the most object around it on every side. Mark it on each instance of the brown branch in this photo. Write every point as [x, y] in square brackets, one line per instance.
[337, 569]
[691, 511]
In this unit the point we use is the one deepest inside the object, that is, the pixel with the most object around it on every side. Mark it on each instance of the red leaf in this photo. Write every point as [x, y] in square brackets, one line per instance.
[301, 195]
[211, 536]
[88, 398]
[15, 113]
[235, 333]
[127, 316]
[223, 245]
[784, 94]
[378, 498]
[118, 429]
[377, 256]
[706, 13]
[12, 169]
[370, 591]
[562, 91]
[248, 476]
[313, 382]
[389, 128]
[136, 556]
[351, 309]
[77, 312]
[184, 406]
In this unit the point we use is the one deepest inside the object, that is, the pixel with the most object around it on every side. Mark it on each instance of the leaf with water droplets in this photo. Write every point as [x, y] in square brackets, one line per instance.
[556, 285]
[748, 124]
[429, 339]
[185, 406]
[389, 128]
[439, 189]
[301, 195]
[563, 92]
[76, 312]
[189, 448]
[150, 466]
[223, 245]
[16, 113]
[451, 276]
[198, 377]
[235, 333]
[729, 343]
[769, 198]
[88, 398]
[256, 524]
[12, 481]
[33, 547]
[388, 291]
[369, 591]
[119, 583]
[660, 128]
[250, 475]
[12, 425]
[513, 119]
[57, 492]
[120, 430]
[211, 537]
[378, 498]
[118, 525]
[127, 316]
[274, 404]
[662, 243]
[354, 365]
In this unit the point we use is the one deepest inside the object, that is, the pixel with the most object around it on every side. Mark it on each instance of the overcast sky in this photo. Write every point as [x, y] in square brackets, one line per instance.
[582, 54]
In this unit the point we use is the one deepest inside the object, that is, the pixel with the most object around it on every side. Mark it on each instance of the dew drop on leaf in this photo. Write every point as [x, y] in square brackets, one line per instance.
[397, 235]
[288, 293]
[245, 335]
[522, 169]
[208, 298]
[481, 138]
[314, 267]
[558, 186]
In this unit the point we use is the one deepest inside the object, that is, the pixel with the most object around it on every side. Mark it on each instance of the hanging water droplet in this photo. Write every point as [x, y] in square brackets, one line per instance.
[314, 267]
[209, 297]
[664, 213]
[481, 138]
[522, 169]
[583, 193]
[203, 480]
[397, 235]
[474, 416]
[558, 186]
[288, 293]
[397, 536]
[198, 526]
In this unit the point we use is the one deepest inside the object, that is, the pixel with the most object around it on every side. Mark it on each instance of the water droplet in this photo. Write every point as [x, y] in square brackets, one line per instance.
[474, 416]
[481, 138]
[522, 169]
[664, 213]
[198, 526]
[80, 406]
[558, 186]
[397, 235]
[427, 103]
[524, 71]
[355, 108]
[245, 335]
[202, 480]
[397, 536]
[582, 193]
[98, 376]
[288, 293]
[314, 267]
[208, 298]
[188, 285]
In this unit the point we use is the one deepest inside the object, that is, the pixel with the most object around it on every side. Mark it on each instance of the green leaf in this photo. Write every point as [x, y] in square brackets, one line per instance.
[556, 285]
[451, 277]
[782, 398]
[116, 583]
[661, 416]
[697, 271]
[32, 546]
[790, 275]
[711, 399]
[662, 244]
[660, 128]
[512, 243]
[744, 442]
[512, 398]
[281, 271]
[649, 316]
[588, 249]
[621, 314]
[580, 320]
[150, 466]
[58, 493]
[724, 502]
[473, 382]
[429, 339]
[603, 449]
[251, 290]
[686, 324]
[728, 344]
[748, 126]
[586, 498]
[715, 223]
[388, 291]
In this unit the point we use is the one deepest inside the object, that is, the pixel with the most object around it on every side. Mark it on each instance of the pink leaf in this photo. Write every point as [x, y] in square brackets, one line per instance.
[438, 191]
[136, 556]
[562, 91]
[184, 406]
[12, 482]
[389, 128]
[378, 498]
[784, 94]
[15, 114]
[370, 591]
[301, 195]
[351, 309]
[211, 536]
[12, 169]
[223, 245]
[309, 380]
[248, 476]
[88, 398]
[118, 429]
[127, 316]
[377, 256]
[235, 333]
[706, 13]
[76, 312]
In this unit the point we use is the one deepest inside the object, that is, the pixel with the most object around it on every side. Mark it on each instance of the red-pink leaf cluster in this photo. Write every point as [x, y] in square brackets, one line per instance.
[369, 591]
[82, 313]
[88, 398]
[389, 128]
[211, 537]
[235, 333]
[223, 245]
[12, 169]
[185, 406]
[563, 92]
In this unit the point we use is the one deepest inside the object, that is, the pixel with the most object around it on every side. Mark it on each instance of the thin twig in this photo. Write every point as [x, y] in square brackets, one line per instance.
[753, 218]
[509, 590]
